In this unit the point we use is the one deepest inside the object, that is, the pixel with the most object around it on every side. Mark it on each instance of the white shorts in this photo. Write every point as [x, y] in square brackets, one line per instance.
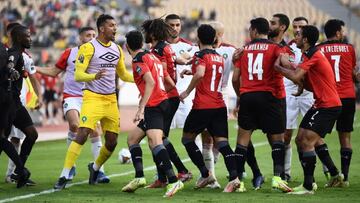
[294, 106]
[183, 111]
[72, 103]
[17, 133]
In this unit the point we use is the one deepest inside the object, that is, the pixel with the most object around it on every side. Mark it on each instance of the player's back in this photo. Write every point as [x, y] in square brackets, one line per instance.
[257, 66]
[146, 62]
[226, 51]
[208, 91]
[343, 61]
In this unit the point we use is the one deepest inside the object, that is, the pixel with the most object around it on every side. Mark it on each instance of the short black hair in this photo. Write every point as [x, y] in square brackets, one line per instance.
[157, 28]
[300, 18]
[206, 34]
[134, 40]
[261, 25]
[311, 33]
[84, 29]
[17, 32]
[332, 26]
[283, 20]
[172, 17]
[102, 19]
[11, 26]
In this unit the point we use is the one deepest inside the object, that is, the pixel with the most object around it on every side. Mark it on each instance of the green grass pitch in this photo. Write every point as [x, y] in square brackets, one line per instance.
[47, 159]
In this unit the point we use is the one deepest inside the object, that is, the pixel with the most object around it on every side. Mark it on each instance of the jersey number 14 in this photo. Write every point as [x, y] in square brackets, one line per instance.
[255, 66]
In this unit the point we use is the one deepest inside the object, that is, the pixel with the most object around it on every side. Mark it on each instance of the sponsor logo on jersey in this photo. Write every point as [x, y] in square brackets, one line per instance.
[109, 57]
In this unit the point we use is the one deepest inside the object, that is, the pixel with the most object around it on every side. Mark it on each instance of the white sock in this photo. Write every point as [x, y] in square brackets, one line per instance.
[96, 167]
[287, 161]
[208, 157]
[70, 138]
[198, 142]
[11, 165]
[65, 173]
[96, 145]
[216, 154]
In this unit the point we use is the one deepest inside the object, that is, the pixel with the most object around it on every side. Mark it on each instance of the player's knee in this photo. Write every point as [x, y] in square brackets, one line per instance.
[73, 127]
[31, 133]
[111, 145]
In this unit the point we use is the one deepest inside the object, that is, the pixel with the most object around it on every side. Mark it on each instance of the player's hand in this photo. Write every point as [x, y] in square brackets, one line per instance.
[235, 111]
[285, 60]
[237, 53]
[299, 91]
[185, 72]
[14, 74]
[183, 96]
[139, 114]
[100, 74]
[38, 104]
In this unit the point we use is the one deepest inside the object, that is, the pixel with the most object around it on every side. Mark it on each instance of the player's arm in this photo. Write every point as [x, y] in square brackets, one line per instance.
[83, 58]
[121, 71]
[296, 75]
[149, 87]
[37, 89]
[236, 81]
[168, 81]
[200, 72]
[49, 71]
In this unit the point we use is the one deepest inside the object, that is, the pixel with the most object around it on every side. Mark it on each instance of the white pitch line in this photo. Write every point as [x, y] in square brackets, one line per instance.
[149, 168]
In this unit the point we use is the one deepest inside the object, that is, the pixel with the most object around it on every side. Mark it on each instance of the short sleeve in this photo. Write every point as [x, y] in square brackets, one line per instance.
[29, 64]
[62, 62]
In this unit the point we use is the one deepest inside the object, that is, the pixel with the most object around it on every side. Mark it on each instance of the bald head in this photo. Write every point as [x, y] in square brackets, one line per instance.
[219, 27]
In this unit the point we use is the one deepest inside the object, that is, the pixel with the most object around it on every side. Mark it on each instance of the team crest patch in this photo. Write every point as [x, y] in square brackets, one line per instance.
[81, 58]
[225, 56]
[196, 62]
[66, 105]
[181, 51]
[84, 118]
[138, 69]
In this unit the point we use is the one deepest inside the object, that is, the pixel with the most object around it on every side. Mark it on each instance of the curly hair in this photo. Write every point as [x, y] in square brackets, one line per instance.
[157, 28]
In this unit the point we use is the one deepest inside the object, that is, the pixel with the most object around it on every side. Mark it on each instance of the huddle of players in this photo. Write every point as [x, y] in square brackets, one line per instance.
[258, 81]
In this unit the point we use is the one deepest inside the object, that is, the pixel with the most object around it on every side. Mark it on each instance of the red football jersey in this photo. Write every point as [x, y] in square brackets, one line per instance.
[165, 54]
[257, 67]
[146, 62]
[319, 79]
[208, 91]
[343, 61]
[278, 79]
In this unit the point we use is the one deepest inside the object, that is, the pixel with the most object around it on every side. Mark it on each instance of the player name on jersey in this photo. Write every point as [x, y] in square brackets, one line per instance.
[335, 48]
[255, 47]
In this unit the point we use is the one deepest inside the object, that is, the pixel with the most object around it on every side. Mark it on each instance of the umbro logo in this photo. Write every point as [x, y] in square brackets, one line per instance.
[109, 57]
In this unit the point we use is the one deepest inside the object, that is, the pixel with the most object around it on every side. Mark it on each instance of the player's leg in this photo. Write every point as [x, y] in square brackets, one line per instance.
[258, 178]
[91, 113]
[24, 122]
[218, 128]
[209, 159]
[15, 136]
[273, 122]
[110, 125]
[292, 112]
[183, 173]
[195, 123]
[134, 138]
[344, 126]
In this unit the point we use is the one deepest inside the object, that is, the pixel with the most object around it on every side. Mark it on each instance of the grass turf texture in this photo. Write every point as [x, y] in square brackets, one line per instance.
[46, 161]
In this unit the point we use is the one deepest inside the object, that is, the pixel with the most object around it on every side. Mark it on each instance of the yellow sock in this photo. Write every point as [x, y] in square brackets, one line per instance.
[72, 154]
[103, 156]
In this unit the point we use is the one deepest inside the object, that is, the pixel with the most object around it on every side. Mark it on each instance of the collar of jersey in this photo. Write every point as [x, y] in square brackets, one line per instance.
[104, 45]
